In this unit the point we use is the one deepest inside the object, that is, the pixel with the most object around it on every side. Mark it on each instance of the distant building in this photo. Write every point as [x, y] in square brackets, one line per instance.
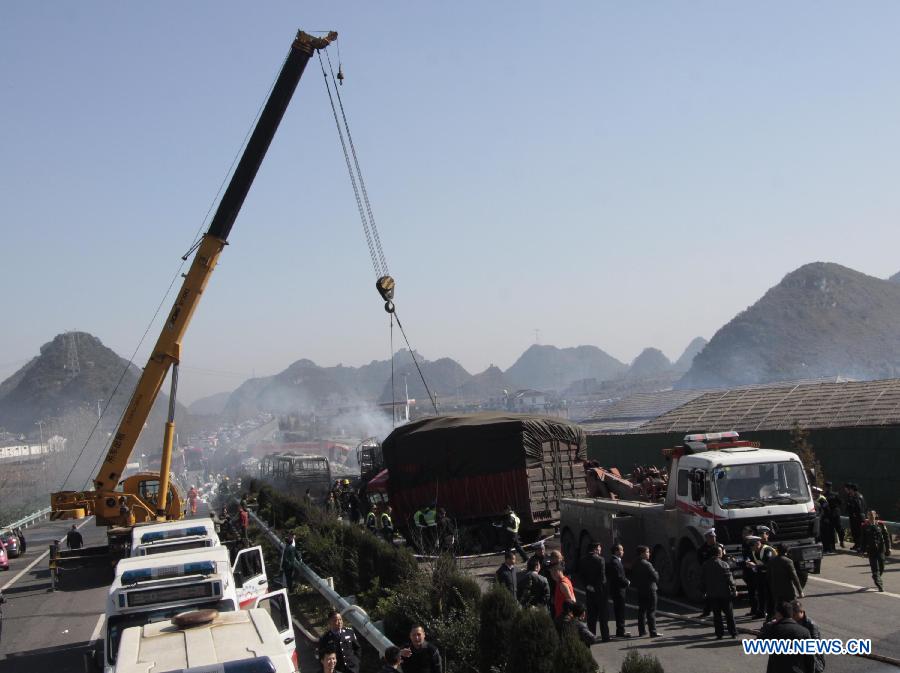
[20, 451]
[528, 401]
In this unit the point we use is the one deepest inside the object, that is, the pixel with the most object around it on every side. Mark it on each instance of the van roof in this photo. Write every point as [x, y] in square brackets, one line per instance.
[166, 526]
[231, 636]
[219, 555]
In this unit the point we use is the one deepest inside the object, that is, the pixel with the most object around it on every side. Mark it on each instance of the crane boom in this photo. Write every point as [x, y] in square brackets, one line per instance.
[104, 501]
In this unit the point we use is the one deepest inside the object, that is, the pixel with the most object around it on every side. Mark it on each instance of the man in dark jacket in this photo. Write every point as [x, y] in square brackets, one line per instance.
[719, 590]
[420, 656]
[876, 543]
[74, 539]
[644, 578]
[785, 628]
[835, 506]
[618, 583]
[707, 551]
[341, 641]
[856, 512]
[799, 615]
[506, 573]
[784, 584]
[534, 590]
[593, 574]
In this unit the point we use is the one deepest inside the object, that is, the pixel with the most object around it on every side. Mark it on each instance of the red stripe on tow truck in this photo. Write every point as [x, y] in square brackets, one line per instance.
[695, 509]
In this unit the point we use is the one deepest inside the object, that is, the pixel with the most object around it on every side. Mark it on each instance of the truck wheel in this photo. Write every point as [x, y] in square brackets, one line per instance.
[689, 574]
[569, 550]
[669, 583]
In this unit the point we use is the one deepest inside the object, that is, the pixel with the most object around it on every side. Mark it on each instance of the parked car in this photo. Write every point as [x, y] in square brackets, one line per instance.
[11, 541]
[4, 559]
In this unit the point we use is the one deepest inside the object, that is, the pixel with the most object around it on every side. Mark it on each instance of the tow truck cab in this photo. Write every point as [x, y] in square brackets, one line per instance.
[172, 536]
[247, 641]
[718, 482]
[152, 588]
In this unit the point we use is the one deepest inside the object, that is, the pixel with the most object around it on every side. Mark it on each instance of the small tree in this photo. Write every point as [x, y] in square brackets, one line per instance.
[572, 655]
[536, 642]
[498, 610]
[801, 446]
[639, 663]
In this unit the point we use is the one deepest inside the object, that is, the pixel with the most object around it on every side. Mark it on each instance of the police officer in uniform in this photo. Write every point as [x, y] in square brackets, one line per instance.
[341, 641]
[763, 552]
[387, 525]
[372, 521]
[510, 527]
[876, 542]
[751, 576]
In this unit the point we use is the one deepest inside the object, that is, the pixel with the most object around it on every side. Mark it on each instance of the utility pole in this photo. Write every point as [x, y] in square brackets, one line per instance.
[40, 425]
[99, 402]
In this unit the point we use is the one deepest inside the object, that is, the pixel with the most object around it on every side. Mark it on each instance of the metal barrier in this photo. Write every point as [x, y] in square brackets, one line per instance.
[892, 526]
[354, 614]
[29, 520]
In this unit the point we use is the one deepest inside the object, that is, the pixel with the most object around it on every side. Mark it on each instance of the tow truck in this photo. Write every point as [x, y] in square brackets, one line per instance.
[149, 496]
[714, 481]
[150, 589]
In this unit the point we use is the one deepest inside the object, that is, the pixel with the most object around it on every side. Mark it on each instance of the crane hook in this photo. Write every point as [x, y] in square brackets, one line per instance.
[340, 75]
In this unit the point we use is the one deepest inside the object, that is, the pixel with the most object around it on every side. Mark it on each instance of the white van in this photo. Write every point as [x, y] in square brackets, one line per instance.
[162, 538]
[211, 641]
[148, 589]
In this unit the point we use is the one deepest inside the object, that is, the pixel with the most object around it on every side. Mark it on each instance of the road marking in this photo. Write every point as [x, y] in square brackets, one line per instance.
[95, 634]
[37, 560]
[854, 586]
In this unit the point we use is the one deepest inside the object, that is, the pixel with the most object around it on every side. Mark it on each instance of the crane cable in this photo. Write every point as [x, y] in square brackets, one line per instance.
[385, 283]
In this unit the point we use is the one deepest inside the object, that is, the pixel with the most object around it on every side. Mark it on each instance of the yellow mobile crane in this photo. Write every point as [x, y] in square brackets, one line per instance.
[146, 496]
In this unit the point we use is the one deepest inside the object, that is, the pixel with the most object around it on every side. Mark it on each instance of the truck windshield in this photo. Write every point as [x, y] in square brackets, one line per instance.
[760, 484]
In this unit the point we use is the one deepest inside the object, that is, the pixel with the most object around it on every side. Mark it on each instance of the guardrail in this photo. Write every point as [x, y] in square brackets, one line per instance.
[354, 614]
[29, 520]
[892, 526]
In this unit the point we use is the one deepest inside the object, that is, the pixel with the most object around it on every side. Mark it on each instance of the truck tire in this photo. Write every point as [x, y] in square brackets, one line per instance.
[689, 574]
[569, 550]
[669, 582]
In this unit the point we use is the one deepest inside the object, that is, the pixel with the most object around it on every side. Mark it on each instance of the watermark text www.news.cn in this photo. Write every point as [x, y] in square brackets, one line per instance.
[807, 646]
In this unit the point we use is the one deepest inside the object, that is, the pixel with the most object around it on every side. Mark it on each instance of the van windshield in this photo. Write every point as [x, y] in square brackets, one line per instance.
[760, 484]
[118, 623]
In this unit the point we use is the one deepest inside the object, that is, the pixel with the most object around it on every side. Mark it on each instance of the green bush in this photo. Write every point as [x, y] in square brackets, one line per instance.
[498, 611]
[572, 655]
[536, 642]
[639, 663]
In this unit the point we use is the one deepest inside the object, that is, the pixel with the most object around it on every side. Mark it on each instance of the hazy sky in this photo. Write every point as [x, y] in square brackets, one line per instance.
[623, 174]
